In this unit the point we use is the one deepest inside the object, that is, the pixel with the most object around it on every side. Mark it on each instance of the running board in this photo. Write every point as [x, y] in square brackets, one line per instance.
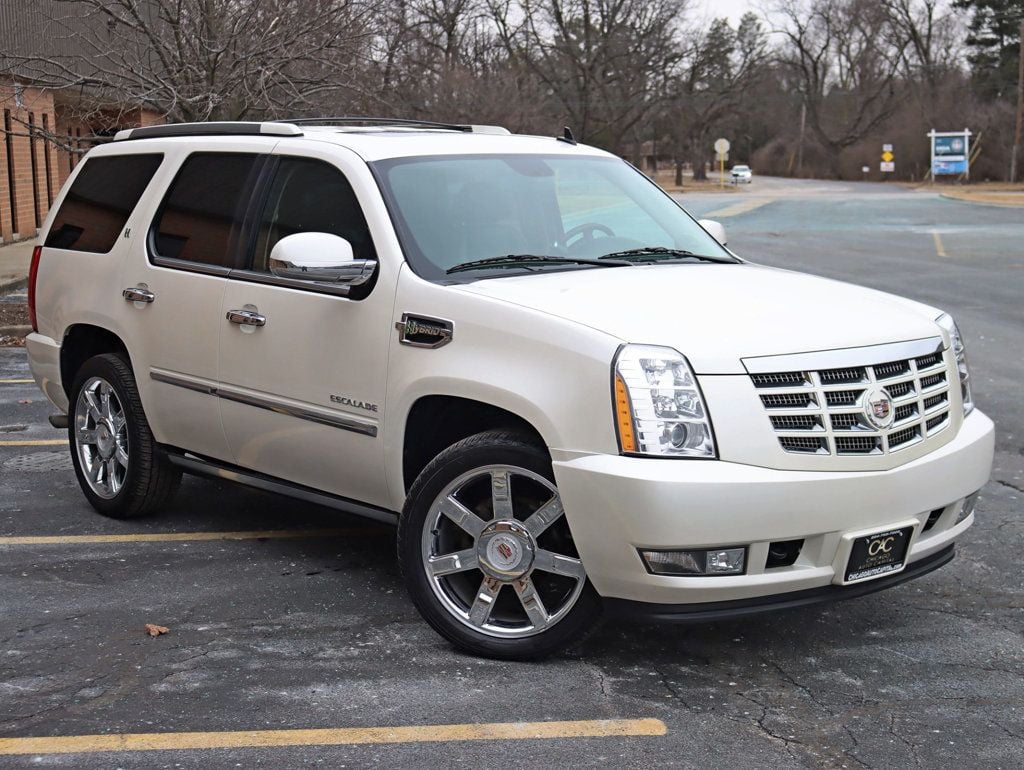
[213, 469]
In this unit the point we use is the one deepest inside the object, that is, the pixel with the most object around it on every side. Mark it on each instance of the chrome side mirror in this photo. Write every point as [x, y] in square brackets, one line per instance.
[714, 229]
[319, 258]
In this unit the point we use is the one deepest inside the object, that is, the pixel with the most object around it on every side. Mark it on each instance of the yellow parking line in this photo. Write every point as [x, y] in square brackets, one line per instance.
[170, 537]
[36, 442]
[738, 208]
[495, 731]
[939, 248]
[16, 382]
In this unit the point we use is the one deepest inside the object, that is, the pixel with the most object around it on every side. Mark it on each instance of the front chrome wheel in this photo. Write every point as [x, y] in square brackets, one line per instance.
[498, 554]
[101, 437]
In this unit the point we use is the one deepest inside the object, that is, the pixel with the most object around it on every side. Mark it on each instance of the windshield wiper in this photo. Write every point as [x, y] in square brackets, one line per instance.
[659, 253]
[513, 260]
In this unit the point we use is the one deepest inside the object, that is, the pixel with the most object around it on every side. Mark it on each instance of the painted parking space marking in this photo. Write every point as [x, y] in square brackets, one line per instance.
[177, 537]
[940, 250]
[17, 382]
[344, 736]
[36, 442]
[735, 209]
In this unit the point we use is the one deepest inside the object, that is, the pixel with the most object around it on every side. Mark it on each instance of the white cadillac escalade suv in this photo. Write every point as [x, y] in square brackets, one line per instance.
[570, 396]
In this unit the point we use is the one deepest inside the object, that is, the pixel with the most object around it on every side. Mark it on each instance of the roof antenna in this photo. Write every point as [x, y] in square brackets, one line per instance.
[567, 136]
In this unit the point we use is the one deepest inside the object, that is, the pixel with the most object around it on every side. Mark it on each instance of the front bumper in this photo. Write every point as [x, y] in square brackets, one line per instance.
[617, 505]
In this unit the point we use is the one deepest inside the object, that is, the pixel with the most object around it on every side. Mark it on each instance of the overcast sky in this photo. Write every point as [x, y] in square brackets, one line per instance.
[734, 9]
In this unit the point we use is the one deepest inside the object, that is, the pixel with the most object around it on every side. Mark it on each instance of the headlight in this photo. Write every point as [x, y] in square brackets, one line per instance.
[659, 409]
[946, 322]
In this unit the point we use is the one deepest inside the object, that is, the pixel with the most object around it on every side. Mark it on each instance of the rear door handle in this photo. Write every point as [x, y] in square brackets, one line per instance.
[246, 318]
[138, 294]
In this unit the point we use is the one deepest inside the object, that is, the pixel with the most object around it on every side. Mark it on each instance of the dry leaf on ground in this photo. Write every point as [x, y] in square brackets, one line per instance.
[155, 630]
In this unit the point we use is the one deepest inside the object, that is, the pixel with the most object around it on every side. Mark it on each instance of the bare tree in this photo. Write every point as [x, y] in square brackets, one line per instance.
[605, 63]
[721, 66]
[930, 50]
[844, 58]
[200, 59]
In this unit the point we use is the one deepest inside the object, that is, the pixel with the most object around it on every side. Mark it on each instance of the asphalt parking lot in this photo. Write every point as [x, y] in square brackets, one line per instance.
[285, 617]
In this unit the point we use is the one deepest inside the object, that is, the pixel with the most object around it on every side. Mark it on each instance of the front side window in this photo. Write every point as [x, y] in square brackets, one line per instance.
[201, 217]
[454, 209]
[100, 200]
[310, 196]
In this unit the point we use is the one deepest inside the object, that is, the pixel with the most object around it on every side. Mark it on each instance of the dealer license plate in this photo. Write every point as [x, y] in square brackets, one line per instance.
[878, 554]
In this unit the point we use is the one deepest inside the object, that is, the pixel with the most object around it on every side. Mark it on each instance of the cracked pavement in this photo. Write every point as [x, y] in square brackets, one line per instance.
[270, 634]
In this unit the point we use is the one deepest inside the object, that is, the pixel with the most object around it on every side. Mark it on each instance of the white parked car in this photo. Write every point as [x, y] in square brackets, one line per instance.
[741, 175]
[569, 397]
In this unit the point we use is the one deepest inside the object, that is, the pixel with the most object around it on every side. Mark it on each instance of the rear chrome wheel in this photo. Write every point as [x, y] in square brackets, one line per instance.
[120, 467]
[101, 437]
[487, 552]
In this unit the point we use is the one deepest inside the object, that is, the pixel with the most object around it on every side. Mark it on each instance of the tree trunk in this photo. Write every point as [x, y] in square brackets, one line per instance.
[679, 173]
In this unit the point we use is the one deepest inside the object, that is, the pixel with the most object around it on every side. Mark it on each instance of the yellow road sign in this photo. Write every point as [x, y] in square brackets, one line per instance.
[887, 156]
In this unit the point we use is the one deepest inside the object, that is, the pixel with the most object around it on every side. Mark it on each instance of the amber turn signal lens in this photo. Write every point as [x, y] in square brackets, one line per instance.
[624, 417]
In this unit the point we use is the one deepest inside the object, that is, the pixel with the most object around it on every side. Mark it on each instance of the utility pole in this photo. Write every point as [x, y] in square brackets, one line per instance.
[800, 143]
[1015, 158]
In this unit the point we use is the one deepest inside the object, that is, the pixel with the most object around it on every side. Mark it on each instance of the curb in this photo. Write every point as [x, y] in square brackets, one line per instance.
[15, 331]
[13, 284]
[1013, 205]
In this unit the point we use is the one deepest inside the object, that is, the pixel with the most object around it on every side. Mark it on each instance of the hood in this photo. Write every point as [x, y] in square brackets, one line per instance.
[716, 315]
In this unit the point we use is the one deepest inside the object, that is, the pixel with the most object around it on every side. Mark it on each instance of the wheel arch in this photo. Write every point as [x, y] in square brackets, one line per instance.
[435, 422]
[80, 343]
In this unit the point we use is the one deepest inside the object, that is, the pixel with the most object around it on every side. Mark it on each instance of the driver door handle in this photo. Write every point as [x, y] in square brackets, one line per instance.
[246, 318]
[138, 294]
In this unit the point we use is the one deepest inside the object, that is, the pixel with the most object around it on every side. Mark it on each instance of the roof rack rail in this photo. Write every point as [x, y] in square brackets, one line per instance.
[370, 121]
[222, 128]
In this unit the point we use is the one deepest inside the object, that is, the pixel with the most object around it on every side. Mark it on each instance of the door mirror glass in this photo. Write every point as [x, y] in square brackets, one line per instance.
[714, 229]
[319, 258]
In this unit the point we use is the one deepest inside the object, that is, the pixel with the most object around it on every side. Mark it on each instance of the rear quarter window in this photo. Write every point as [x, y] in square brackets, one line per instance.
[100, 200]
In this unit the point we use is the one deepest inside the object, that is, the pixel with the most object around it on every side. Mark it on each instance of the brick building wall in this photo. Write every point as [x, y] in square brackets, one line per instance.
[33, 167]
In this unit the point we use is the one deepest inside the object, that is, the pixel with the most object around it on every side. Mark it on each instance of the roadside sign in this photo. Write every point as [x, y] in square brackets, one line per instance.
[886, 148]
[887, 156]
[721, 153]
[950, 152]
[886, 166]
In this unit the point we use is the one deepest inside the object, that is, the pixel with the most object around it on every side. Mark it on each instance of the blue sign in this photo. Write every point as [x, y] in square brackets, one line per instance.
[950, 145]
[951, 152]
[942, 166]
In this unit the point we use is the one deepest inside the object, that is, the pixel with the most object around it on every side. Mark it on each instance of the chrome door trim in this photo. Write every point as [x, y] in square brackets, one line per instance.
[843, 357]
[344, 422]
[183, 381]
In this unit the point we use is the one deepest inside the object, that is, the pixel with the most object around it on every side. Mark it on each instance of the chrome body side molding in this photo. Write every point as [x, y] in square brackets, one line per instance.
[334, 420]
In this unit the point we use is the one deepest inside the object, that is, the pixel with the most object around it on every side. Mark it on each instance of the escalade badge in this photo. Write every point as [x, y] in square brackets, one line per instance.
[877, 405]
[424, 332]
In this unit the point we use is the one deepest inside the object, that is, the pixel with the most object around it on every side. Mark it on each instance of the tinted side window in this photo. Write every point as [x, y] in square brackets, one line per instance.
[201, 216]
[100, 201]
[311, 196]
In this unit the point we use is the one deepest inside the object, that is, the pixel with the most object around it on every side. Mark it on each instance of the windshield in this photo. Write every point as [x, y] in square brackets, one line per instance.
[450, 210]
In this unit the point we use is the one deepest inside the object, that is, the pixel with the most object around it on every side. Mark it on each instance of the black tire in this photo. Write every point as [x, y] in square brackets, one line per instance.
[150, 480]
[493, 448]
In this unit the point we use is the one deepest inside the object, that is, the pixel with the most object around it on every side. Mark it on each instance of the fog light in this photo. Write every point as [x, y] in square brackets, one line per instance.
[727, 562]
[695, 563]
[967, 506]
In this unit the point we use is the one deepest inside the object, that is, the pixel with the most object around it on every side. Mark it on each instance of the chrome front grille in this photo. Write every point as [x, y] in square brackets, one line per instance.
[822, 412]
